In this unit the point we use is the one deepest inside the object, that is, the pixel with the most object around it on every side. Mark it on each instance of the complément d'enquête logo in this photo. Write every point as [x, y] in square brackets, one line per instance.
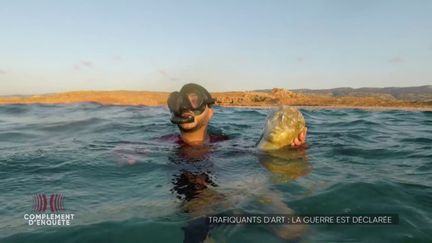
[55, 204]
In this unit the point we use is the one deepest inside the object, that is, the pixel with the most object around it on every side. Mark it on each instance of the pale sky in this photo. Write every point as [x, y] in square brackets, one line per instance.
[53, 46]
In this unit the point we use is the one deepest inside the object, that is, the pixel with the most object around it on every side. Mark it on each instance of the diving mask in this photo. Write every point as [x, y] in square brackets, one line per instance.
[191, 101]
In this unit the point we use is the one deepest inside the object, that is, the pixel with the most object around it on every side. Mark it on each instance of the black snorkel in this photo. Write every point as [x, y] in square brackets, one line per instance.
[181, 120]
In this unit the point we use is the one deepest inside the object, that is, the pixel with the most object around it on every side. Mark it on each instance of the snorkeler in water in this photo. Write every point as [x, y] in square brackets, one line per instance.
[191, 110]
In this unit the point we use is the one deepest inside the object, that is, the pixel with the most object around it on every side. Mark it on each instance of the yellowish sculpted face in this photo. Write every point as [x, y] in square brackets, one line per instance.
[281, 128]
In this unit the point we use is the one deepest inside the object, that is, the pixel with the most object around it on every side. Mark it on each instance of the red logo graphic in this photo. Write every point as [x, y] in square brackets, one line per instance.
[40, 202]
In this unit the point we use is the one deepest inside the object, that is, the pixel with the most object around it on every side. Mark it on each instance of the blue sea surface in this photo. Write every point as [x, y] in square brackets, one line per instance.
[124, 181]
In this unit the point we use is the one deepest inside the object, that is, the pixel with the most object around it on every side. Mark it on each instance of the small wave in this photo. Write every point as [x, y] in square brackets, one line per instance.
[69, 126]
[14, 109]
[419, 140]
[18, 136]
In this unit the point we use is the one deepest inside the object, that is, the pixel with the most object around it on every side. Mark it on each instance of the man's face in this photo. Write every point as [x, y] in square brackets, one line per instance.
[199, 120]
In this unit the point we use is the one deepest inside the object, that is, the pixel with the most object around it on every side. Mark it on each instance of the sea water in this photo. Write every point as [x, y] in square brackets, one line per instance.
[125, 178]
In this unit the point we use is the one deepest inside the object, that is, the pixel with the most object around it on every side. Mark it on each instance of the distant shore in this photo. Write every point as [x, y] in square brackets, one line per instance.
[251, 99]
[370, 108]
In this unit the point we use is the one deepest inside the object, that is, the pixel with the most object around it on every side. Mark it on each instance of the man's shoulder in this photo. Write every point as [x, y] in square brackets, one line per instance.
[173, 138]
